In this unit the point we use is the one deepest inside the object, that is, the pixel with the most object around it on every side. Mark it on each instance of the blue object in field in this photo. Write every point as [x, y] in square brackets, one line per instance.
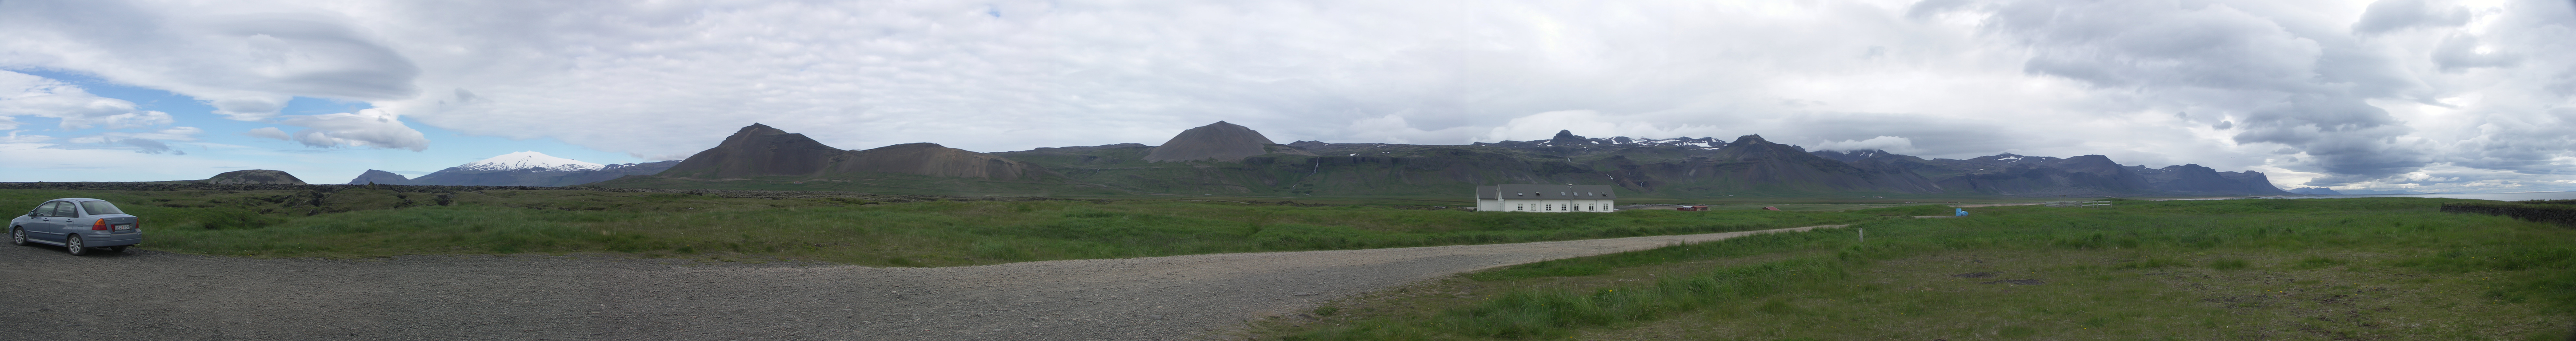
[1962, 212]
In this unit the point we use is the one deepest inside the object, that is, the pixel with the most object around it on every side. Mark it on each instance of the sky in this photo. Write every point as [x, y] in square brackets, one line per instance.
[2423, 95]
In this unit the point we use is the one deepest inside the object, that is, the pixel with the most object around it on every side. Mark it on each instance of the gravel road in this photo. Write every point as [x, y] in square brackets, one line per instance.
[146, 295]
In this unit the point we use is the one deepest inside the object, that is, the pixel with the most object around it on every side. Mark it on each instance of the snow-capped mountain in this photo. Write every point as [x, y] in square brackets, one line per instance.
[519, 169]
[529, 160]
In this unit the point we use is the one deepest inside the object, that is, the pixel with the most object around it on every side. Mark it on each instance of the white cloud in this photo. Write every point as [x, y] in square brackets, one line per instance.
[267, 133]
[14, 137]
[24, 94]
[2331, 92]
[173, 134]
[1589, 123]
[1394, 129]
[373, 128]
[247, 59]
[1892, 144]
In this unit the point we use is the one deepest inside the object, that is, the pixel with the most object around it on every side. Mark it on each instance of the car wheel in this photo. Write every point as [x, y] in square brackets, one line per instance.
[17, 236]
[73, 245]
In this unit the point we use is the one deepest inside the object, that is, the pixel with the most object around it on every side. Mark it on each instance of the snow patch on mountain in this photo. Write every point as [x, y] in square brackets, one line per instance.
[529, 160]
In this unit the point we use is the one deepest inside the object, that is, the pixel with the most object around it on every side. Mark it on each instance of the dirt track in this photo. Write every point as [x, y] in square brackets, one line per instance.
[146, 295]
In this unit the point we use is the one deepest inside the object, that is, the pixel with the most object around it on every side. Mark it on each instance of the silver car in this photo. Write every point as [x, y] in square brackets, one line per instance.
[77, 224]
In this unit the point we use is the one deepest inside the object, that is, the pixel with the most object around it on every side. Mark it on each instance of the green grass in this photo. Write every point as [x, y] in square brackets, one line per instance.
[365, 223]
[2377, 268]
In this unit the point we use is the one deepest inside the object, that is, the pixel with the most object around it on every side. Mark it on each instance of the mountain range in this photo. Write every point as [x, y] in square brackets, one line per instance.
[1231, 159]
[527, 168]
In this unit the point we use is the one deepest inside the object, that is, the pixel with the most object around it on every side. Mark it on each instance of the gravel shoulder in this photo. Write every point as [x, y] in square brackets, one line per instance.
[148, 295]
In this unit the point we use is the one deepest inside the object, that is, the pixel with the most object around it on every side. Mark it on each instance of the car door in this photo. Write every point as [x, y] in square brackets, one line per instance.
[67, 220]
[44, 224]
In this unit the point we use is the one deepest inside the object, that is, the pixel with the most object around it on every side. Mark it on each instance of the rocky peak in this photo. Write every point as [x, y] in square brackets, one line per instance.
[1567, 138]
[1748, 140]
[757, 150]
[380, 177]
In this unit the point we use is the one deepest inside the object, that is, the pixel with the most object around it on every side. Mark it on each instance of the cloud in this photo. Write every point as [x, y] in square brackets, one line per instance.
[14, 137]
[151, 147]
[149, 142]
[267, 133]
[24, 94]
[245, 59]
[1892, 144]
[2328, 92]
[2461, 51]
[372, 128]
[115, 137]
[2391, 15]
[1591, 123]
[1395, 129]
[2282, 81]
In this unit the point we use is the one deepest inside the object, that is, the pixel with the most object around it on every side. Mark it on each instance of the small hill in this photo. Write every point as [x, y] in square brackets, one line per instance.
[760, 150]
[1221, 141]
[932, 159]
[380, 177]
[255, 177]
[766, 158]
[757, 150]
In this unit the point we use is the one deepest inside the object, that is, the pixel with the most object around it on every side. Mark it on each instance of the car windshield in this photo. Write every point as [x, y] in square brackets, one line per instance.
[99, 207]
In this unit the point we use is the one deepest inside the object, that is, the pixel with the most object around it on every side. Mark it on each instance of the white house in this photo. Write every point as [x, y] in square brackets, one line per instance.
[1545, 198]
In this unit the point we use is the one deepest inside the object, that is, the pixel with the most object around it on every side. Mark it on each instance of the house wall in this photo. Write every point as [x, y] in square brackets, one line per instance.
[1545, 205]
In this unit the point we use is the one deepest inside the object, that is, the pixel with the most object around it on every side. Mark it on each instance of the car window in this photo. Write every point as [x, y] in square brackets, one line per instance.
[99, 207]
[64, 209]
[46, 210]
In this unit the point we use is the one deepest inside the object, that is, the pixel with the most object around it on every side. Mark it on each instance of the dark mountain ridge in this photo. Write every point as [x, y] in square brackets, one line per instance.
[1224, 158]
[461, 176]
[760, 150]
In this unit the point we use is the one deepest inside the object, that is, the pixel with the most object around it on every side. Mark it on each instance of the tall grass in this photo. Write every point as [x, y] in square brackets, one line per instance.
[2131, 249]
[934, 233]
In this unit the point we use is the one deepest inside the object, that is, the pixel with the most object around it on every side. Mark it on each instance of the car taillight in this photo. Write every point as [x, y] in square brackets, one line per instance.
[101, 225]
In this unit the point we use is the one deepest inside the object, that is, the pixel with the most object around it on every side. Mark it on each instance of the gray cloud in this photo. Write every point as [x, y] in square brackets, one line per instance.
[2317, 92]
[23, 94]
[2460, 52]
[151, 147]
[246, 61]
[2391, 15]
[2296, 86]
[373, 128]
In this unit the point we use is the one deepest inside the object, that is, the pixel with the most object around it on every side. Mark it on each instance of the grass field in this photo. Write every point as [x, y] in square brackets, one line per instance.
[361, 222]
[2339, 269]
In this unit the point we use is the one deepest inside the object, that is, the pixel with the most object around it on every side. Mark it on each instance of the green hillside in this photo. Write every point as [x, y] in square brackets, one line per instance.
[1453, 170]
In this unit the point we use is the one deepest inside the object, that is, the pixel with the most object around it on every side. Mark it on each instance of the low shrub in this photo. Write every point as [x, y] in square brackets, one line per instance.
[2551, 211]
